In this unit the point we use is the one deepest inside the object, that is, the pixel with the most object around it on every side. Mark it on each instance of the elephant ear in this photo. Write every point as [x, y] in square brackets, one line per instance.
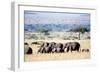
[73, 44]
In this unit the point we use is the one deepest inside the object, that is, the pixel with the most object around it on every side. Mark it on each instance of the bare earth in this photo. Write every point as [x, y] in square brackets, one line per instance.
[85, 44]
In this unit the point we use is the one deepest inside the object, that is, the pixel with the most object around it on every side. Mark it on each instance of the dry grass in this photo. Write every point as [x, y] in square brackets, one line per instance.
[85, 44]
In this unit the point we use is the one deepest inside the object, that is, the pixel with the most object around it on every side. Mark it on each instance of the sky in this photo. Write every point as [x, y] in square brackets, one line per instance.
[43, 17]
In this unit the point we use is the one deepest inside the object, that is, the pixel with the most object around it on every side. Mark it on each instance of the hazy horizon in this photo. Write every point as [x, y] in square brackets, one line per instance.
[43, 17]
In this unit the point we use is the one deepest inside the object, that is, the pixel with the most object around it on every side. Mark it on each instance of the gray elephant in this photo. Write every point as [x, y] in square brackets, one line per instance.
[72, 46]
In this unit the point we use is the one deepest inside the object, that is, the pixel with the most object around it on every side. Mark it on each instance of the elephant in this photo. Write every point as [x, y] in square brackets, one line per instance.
[58, 48]
[27, 49]
[53, 47]
[72, 46]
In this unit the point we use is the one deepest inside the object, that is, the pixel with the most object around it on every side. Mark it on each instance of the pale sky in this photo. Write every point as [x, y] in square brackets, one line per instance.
[36, 17]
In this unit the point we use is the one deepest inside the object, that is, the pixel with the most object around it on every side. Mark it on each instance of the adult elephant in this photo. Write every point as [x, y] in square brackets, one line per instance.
[72, 46]
[46, 47]
[59, 48]
[27, 49]
[51, 47]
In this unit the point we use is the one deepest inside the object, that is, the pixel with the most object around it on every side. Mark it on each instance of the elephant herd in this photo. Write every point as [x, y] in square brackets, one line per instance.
[53, 47]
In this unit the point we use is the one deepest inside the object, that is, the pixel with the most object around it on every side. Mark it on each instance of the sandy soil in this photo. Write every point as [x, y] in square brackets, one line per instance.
[85, 44]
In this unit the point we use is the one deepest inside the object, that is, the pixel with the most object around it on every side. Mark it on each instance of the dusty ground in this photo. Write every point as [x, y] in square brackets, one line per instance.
[85, 44]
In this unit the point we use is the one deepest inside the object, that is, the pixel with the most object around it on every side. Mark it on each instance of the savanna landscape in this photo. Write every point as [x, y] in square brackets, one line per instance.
[56, 36]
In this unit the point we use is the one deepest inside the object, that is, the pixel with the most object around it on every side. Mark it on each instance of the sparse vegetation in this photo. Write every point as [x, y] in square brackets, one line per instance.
[45, 31]
[60, 35]
[34, 43]
[81, 30]
[33, 36]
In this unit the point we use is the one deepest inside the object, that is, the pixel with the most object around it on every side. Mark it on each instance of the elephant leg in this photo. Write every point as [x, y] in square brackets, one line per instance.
[68, 49]
[71, 48]
[78, 50]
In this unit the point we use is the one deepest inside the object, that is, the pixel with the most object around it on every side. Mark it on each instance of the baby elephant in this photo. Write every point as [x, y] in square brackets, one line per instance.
[85, 50]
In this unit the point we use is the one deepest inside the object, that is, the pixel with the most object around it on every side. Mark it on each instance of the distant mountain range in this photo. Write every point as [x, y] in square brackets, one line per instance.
[53, 27]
